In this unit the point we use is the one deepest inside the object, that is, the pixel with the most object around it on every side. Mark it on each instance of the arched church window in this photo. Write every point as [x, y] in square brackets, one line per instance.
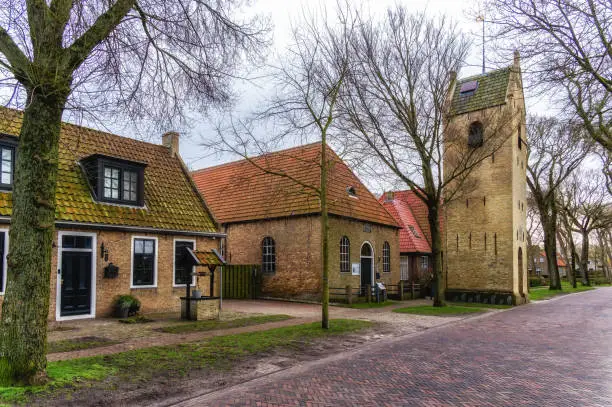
[386, 251]
[345, 255]
[268, 251]
[476, 134]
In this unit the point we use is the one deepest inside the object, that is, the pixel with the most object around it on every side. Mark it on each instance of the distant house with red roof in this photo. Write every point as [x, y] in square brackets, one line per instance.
[274, 221]
[410, 213]
[541, 266]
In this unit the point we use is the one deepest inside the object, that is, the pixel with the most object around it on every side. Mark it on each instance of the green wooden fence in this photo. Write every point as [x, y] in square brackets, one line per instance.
[241, 281]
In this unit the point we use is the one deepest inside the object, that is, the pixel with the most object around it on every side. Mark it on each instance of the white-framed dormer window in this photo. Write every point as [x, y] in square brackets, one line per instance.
[3, 253]
[181, 274]
[144, 262]
[7, 165]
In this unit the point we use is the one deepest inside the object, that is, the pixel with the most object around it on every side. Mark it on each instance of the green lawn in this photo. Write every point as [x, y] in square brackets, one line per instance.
[213, 325]
[544, 293]
[449, 310]
[143, 365]
[69, 345]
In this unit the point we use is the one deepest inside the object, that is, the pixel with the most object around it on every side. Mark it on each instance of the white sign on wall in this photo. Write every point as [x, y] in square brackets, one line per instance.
[355, 269]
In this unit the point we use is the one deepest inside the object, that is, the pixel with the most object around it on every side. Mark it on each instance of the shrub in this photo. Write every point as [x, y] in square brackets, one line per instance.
[126, 305]
[536, 281]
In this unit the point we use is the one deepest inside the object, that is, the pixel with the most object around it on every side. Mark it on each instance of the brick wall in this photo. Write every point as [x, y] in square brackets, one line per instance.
[297, 242]
[162, 298]
[298, 259]
[354, 230]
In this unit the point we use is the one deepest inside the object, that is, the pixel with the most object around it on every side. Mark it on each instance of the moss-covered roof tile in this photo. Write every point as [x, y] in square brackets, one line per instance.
[171, 201]
[491, 91]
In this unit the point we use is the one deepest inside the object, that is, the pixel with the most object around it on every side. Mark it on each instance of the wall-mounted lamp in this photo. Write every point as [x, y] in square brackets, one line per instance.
[103, 252]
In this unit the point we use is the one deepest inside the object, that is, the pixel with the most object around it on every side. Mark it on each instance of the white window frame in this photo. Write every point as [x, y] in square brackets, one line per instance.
[348, 262]
[404, 267]
[174, 261]
[94, 260]
[4, 270]
[132, 286]
[425, 259]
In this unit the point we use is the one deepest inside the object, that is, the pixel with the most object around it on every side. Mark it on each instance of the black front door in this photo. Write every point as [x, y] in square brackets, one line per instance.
[76, 283]
[366, 273]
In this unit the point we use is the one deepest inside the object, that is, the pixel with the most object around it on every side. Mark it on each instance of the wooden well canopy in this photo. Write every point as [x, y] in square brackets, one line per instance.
[208, 258]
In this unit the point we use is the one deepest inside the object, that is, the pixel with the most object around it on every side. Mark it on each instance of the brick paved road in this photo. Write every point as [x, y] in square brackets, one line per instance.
[556, 353]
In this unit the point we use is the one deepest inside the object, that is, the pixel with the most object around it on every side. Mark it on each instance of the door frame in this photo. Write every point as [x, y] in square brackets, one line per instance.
[372, 275]
[58, 287]
[4, 270]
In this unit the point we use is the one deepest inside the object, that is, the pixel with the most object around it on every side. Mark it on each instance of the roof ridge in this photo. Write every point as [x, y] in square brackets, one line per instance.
[271, 153]
[78, 126]
[480, 75]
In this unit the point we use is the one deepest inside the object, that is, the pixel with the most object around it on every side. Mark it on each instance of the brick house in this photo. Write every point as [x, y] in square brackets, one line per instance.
[415, 237]
[275, 221]
[541, 265]
[124, 209]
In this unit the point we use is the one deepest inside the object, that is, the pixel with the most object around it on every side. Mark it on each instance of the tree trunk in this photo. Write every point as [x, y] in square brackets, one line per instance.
[530, 255]
[584, 258]
[324, 236]
[436, 254]
[571, 248]
[604, 254]
[23, 329]
[548, 218]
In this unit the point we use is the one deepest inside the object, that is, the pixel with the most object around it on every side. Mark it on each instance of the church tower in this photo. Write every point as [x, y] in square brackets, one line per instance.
[485, 221]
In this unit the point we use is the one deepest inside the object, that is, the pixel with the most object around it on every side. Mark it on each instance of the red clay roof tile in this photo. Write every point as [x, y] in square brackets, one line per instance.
[245, 190]
[408, 211]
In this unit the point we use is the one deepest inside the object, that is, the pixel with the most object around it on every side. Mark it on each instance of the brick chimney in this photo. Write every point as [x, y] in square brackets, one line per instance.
[171, 140]
[389, 196]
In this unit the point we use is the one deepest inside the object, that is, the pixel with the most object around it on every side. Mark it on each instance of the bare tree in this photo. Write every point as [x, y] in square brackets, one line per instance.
[589, 208]
[565, 236]
[534, 233]
[555, 151]
[305, 104]
[604, 239]
[568, 45]
[147, 59]
[394, 109]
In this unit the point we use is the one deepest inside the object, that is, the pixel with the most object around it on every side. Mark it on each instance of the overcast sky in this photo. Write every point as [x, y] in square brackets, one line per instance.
[282, 14]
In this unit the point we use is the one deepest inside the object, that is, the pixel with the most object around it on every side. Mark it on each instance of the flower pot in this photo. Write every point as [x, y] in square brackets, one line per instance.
[122, 312]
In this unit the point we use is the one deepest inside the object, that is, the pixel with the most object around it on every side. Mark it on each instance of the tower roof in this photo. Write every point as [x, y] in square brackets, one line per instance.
[480, 91]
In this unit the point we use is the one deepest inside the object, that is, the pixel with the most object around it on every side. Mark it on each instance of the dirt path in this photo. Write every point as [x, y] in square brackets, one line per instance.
[164, 339]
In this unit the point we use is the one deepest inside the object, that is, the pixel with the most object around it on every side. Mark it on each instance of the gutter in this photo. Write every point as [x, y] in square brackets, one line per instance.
[122, 228]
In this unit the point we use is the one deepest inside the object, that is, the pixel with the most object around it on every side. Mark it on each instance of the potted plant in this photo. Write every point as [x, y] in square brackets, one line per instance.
[126, 305]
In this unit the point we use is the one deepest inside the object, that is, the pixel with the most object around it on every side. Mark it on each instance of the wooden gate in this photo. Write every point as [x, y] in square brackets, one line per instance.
[241, 281]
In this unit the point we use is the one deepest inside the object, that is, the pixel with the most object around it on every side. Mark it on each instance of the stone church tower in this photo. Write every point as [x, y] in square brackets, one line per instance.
[485, 252]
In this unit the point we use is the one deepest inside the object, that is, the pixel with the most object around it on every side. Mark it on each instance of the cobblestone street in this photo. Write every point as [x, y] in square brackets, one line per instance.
[552, 353]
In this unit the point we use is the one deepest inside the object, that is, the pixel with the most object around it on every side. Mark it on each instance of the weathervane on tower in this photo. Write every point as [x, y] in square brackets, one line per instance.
[481, 18]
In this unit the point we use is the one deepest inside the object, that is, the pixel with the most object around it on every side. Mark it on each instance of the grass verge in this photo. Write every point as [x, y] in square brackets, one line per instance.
[449, 310]
[544, 293]
[367, 305]
[213, 325]
[142, 365]
[86, 342]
